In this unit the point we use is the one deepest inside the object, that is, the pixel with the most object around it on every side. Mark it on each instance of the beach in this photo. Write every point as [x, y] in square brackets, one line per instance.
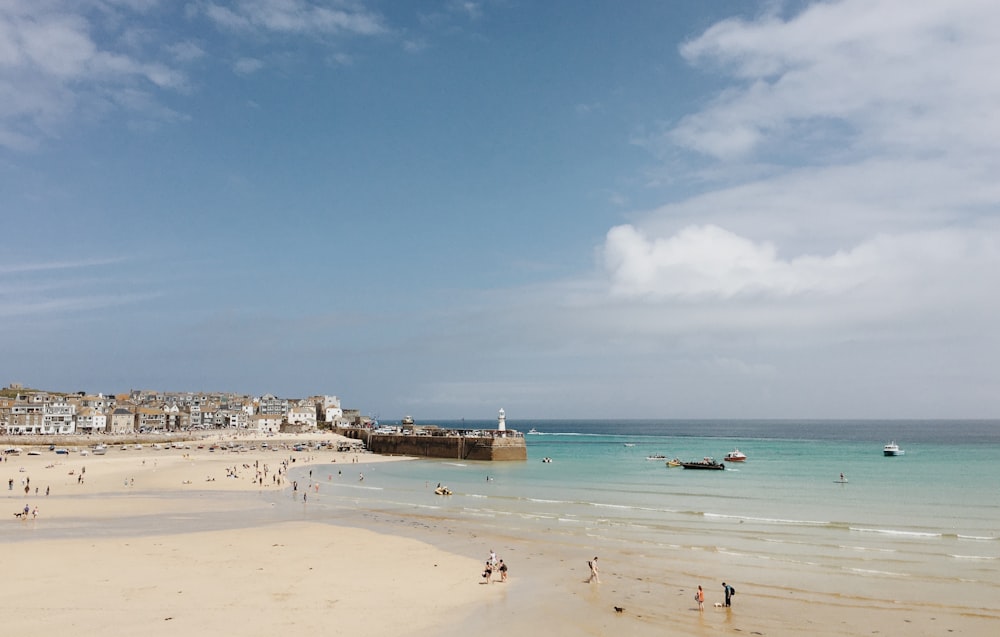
[77, 567]
[174, 539]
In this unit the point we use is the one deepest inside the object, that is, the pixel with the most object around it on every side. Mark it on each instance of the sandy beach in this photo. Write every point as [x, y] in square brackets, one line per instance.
[280, 575]
[176, 540]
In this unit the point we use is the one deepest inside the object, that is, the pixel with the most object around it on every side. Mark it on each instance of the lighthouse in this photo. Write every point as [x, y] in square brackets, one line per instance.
[502, 421]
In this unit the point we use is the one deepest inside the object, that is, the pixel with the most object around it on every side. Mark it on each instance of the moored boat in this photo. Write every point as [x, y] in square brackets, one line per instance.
[736, 456]
[704, 463]
[892, 449]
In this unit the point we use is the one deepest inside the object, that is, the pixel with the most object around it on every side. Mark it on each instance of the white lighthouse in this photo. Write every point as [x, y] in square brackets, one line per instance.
[502, 421]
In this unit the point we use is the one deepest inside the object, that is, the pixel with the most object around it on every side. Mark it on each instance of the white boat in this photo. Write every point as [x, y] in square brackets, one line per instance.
[736, 456]
[532, 431]
[892, 449]
[100, 450]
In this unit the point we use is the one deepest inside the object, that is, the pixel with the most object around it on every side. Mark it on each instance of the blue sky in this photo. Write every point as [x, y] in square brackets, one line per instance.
[566, 209]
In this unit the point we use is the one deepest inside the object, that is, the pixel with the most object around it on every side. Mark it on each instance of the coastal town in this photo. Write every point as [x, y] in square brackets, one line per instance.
[27, 412]
[44, 416]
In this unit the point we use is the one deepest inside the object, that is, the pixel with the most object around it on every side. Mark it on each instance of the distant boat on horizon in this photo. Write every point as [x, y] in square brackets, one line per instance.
[892, 449]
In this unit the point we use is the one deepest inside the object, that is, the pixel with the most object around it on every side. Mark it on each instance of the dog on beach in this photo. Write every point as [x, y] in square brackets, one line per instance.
[619, 609]
[718, 604]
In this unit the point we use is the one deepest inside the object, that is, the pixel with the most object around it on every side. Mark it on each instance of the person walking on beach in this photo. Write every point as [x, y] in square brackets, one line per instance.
[594, 571]
[730, 591]
[700, 596]
[503, 571]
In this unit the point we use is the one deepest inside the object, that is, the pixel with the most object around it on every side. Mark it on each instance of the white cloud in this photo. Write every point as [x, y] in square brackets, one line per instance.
[293, 16]
[51, 66]
[247, 66]
[710, 263]
[901, 77]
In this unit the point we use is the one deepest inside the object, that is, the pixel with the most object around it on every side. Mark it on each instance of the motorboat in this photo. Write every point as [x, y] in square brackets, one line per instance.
[674, 463]
[100, 450]
[658, 456]
[532, 431]
[704, 463]
[407, 420]
[892, 449]
[735, 456]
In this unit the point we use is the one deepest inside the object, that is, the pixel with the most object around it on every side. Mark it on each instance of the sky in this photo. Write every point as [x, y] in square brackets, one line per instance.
[567, 209]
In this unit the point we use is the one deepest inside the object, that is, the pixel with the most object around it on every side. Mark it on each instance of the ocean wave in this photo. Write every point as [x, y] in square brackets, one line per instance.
[748, 518]
[873, 572]
[865, 549]
[977, 537]
[915, 534]
[974, 557]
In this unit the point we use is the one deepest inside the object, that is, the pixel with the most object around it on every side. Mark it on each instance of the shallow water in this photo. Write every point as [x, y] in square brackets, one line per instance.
[924, 526]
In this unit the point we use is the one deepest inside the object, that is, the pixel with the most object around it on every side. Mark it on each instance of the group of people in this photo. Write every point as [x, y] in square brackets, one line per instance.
[700, 596]
[493, 565]
[27, 510]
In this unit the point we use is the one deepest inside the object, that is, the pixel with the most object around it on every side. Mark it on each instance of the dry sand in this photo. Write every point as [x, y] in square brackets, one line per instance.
[275, 577]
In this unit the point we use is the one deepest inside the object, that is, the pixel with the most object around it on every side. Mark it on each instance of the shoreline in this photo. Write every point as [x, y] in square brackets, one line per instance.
[183, 521]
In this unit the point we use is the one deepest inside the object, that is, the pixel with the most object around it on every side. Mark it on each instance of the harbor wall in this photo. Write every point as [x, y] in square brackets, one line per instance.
[492, 448]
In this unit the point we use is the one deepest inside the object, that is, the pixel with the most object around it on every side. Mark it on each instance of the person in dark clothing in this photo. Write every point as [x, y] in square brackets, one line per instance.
[730, 591]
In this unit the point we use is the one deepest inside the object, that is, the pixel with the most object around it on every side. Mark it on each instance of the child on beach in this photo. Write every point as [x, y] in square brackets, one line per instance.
[700, 596]
[594, 572]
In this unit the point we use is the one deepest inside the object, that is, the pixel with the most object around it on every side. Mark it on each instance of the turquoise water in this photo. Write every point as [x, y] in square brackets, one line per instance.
[929, 520]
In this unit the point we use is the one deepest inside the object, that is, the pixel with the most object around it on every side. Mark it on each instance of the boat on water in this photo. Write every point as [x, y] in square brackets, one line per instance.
[892, 449]
[735, 456]
[674, 463]
[658, 456]
[629, 444]
[546, 459]
[704, 463]
[532, 431]
[407, 420]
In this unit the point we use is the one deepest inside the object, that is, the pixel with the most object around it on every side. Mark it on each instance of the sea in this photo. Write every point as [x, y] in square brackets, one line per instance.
[919, 528]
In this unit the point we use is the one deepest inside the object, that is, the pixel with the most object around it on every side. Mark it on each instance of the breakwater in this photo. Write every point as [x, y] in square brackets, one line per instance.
[485, 445]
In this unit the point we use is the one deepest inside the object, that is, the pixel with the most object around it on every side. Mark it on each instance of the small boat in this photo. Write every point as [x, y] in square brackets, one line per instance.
[62, 452]
[532, 431]
[442, 490]
[658, 456]
[704, 463]
[407, 420]
[629, 444]
[674, 463]
[892, 449]
[736, 456]
[100, 450]
[546, 459]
